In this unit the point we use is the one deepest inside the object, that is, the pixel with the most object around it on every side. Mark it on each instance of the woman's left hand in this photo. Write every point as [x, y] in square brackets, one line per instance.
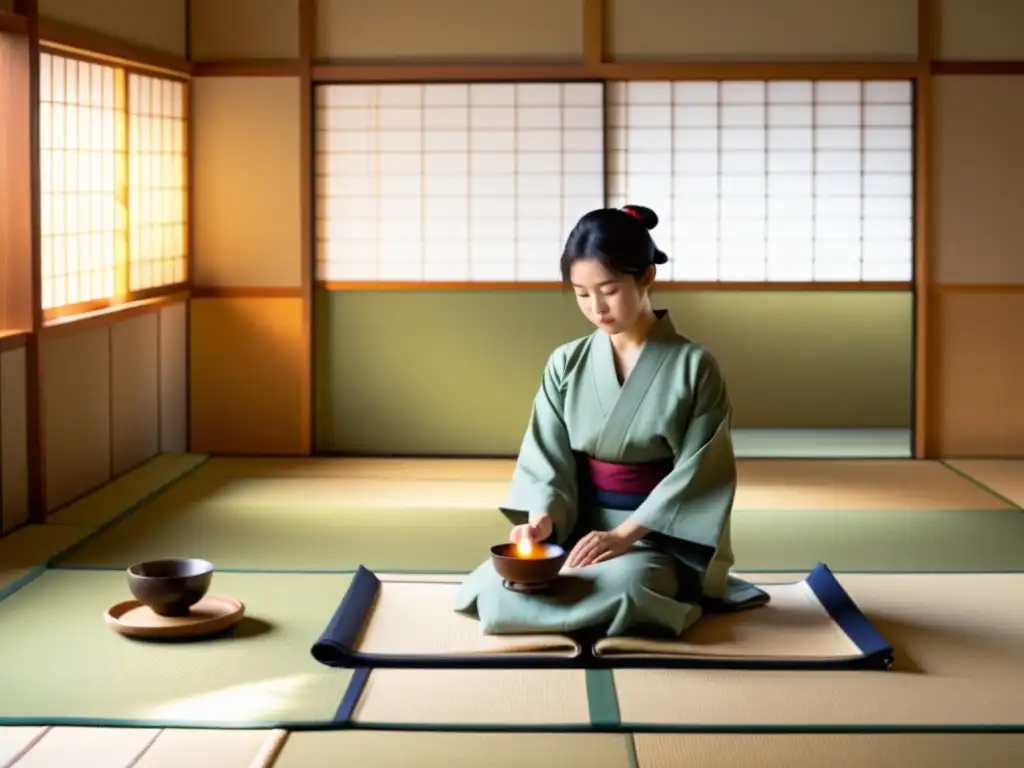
[598, 546]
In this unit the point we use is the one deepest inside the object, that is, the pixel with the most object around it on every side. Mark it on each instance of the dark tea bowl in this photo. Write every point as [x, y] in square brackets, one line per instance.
[541, 567]
[170, 587]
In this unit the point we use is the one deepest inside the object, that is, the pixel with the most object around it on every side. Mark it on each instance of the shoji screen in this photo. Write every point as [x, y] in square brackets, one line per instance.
[157, 182]
[769, 181]
[454, 182]
[113, 165]
[81, 220]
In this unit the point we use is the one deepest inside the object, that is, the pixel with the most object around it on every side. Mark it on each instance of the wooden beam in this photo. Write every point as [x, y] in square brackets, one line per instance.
[13, 23]
[64, 35]
[977, 68]
[490, 71]
[16, 192]
[107, 316]
[190, 233]
[248, 292]
[427, 72]
[307, 50]
[989, 288]
[758, 70]
[13, 340]
[926, 441]
[594, 35]
[249, 68]
[35, 416]
[722, 287]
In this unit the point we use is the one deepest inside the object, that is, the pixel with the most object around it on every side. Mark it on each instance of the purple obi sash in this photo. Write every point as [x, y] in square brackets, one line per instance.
[624, 486]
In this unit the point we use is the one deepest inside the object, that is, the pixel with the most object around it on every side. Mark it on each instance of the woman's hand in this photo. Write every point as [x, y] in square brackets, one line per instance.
[598, 546]
[538, 530]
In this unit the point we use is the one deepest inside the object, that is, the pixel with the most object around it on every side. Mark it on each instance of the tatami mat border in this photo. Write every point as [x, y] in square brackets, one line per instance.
[17, 584]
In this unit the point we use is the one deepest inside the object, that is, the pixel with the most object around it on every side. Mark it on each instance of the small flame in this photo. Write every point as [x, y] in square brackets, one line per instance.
[524, 547]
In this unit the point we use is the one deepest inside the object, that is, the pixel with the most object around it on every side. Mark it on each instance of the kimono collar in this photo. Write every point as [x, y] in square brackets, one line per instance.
[663, 328]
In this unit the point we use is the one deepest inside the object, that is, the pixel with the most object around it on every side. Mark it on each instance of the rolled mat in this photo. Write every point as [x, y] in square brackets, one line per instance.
[809, 624]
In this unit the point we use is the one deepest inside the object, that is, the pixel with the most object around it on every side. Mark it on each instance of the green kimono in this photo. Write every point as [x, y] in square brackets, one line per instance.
[673, 406]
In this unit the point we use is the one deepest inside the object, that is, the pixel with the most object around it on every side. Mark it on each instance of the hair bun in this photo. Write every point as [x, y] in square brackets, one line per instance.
[646, 216]
[659, 258]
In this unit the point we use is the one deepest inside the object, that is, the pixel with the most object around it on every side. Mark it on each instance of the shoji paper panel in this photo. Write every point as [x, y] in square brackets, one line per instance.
[769, 181]
[157, 182]
[454, 182]
[80, 148]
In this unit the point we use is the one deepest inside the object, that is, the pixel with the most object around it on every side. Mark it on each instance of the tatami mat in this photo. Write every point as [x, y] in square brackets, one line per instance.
[92, 747]
[57, 747]
[959, 637]
[69, 664]
[324, 492]
[870, 484]
[813, 485]
[181, 747]
[882, 484]
[900, 540]
[831, 750]
[1004, 476]
[10, 578]
[31, 547]
[15, 741]
[959, 643]
[126, 491]
[388, 749]
[475, 698]
[293, 537]
[34, 545]
[371, 468]
[106, 747]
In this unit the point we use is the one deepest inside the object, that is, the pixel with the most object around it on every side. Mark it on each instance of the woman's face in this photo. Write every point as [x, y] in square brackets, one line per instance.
[610, 301]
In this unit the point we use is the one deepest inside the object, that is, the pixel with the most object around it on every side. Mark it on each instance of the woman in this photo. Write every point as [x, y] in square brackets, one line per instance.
[627, 460]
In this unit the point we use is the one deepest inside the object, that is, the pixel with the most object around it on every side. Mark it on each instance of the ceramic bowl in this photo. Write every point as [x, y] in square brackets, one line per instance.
[540, 567]
[171, 586]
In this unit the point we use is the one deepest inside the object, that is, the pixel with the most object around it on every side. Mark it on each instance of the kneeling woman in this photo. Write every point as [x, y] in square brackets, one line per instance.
[627, 459]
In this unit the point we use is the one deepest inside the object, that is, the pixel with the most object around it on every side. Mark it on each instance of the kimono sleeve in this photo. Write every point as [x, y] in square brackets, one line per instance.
[689, 509]
[544, 480]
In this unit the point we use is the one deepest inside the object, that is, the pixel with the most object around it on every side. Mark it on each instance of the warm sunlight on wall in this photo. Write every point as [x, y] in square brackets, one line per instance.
[157, 170]
[112, 156]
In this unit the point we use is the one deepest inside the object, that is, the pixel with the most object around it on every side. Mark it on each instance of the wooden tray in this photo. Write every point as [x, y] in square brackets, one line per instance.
[212, 614]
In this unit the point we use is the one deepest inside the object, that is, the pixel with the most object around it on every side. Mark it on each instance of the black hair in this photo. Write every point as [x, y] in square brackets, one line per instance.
[618, 238]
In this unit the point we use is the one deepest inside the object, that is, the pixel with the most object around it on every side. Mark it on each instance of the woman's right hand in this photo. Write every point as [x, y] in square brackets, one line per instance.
[538, 530]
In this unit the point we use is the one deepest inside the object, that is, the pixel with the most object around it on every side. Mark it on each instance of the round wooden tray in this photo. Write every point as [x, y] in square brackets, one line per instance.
[212, 614]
